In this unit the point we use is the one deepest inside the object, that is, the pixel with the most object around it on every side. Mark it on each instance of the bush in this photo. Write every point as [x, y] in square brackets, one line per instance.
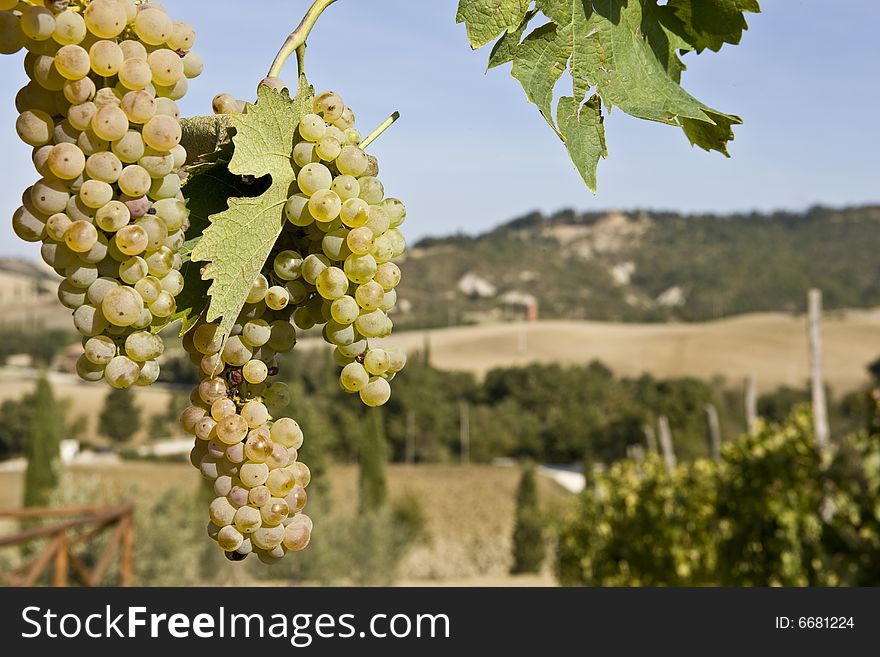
[120, 419]
[528, 530]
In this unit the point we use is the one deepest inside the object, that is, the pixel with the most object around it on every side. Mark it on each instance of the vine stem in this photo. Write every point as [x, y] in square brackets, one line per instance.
[378, 131]
[297, 38]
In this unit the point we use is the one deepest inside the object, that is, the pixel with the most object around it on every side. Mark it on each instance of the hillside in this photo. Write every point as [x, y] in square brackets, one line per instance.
[644, 267]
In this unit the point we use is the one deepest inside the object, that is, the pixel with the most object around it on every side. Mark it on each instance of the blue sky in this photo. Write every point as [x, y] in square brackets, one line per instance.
[470, 153]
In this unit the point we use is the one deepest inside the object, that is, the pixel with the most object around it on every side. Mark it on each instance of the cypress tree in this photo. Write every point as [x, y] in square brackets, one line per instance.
[373, 453]
[120, 419]
[528, 532]
[43, 447]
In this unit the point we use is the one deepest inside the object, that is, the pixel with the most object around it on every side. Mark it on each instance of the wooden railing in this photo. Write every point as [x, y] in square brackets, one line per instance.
[65, 536]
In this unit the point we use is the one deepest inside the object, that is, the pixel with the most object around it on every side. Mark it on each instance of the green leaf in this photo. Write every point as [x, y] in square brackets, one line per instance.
[538, 63]
[238, 240]
[710, 23]
[486, 19]
[584, 132]
[505, 47]
[627, 51]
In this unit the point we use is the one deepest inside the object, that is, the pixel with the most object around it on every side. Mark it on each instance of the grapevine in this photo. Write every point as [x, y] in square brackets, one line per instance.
[269, 218]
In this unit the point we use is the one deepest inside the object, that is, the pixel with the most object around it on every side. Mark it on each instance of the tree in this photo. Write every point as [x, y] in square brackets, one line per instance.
[528, 532]
[120, 418]
[373, 492]
[43, 446]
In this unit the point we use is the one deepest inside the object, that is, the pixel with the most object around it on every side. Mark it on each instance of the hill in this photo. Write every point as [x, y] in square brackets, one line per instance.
[644, 267]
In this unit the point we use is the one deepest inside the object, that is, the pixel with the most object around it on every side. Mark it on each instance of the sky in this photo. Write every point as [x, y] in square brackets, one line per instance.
[470, 153]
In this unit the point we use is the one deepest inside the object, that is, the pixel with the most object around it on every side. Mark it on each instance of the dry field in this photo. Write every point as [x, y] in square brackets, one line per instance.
[468, 511]
[772, 347]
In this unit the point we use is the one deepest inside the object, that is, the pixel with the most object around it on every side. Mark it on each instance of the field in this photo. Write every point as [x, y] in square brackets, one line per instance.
[468, 510]
[772, 347]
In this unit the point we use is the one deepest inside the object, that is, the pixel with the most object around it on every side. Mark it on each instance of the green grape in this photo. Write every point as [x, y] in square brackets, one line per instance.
[256, 415]
[314, 177]
[66, 161]
[81, 275]
[376, 361]
[224, 103]
[135, 74]
[277, 395]
[100, 350]
[273, 513]
[90, 143]
[312, 266]
[312, 127]
[277, 297]
[378, 221]
[72, 62]
[360, 268]
[88, 371]
[328, 149]
[256, 333]
[346, 187]
[172, 212]
[89, 320]
[389, 301]
[79, 91]
[258, 290]
[360, 240]
[153, 26]
[344, 310]
[382, 249]
[55, 226]
[376, 393]
[287, 432]
[164, 305]
[304, 153]
[324, 205]
[11, 37]
[193, 65]
[49, 196]
[388, 276]
[122, 306]
[70, 28]
[80, 236]
[99, 289]
[95, 194]
[80, 116]
[280, 482]
[70, 296]
[353, 138]
[252, 474]
[355, 213]
[142, 346]
[282, 337]
[166, 66]
[132, 49]
[134, 181]
[229, 538]
[247, 519]
[37, 23]
[297, 210]
[110, 123]
[332, 283]
[133, 270]
[298, 533]
[236, 352]
[352, 161]
[329, 106]
[334, 244]
[106, 58]
[173, 282]
[113, 216]
[131, 240]
[108, 97]
[371, 190]
[139, 107]
[162, 132]
[287, 265]
[157, 164]
[370, 295]
[105, 167]
[105, 19]
[354, 377]
[166, 187]
[221, 512]
[396, 359]
[35, 127]
[254, 371]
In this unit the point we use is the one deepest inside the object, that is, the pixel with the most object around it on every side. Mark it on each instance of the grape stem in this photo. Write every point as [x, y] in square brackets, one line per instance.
[297, 38]
[378, 131]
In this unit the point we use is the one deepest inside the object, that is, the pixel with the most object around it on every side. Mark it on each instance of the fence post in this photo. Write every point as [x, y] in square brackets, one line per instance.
[666, 442]
[714, 432]
[650, 438]
[817, 379]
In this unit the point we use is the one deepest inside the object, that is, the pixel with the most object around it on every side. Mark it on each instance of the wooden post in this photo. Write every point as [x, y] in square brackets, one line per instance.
[59, 577]
[410, 437]
[714, 432]
[750, 396]
[650, 438]
[126, 561]
[817, 379]
[666, 442]
[465, 431]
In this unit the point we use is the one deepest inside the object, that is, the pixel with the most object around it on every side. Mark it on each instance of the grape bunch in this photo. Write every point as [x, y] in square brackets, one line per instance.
[251, 459]
[100, 113]
[331, 266]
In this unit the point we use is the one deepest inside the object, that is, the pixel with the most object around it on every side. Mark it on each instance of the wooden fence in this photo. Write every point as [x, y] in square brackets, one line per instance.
[75, 527]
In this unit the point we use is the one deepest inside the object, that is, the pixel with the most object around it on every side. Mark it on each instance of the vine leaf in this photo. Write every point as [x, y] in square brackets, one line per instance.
[626, 51]
[237, 242]
[486, 19]
[710, 23]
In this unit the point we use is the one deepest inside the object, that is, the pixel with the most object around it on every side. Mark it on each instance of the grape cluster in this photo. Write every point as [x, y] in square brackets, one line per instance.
[100, 112]
[331, 266]
[252, 460]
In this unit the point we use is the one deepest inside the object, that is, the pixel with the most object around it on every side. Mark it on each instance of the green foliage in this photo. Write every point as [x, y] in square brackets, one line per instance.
[528, 531]
[724, 265]
[120, 419]
[627, 51]
[773, 512]
[43, 446]
[239, 239]
[42, 346]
